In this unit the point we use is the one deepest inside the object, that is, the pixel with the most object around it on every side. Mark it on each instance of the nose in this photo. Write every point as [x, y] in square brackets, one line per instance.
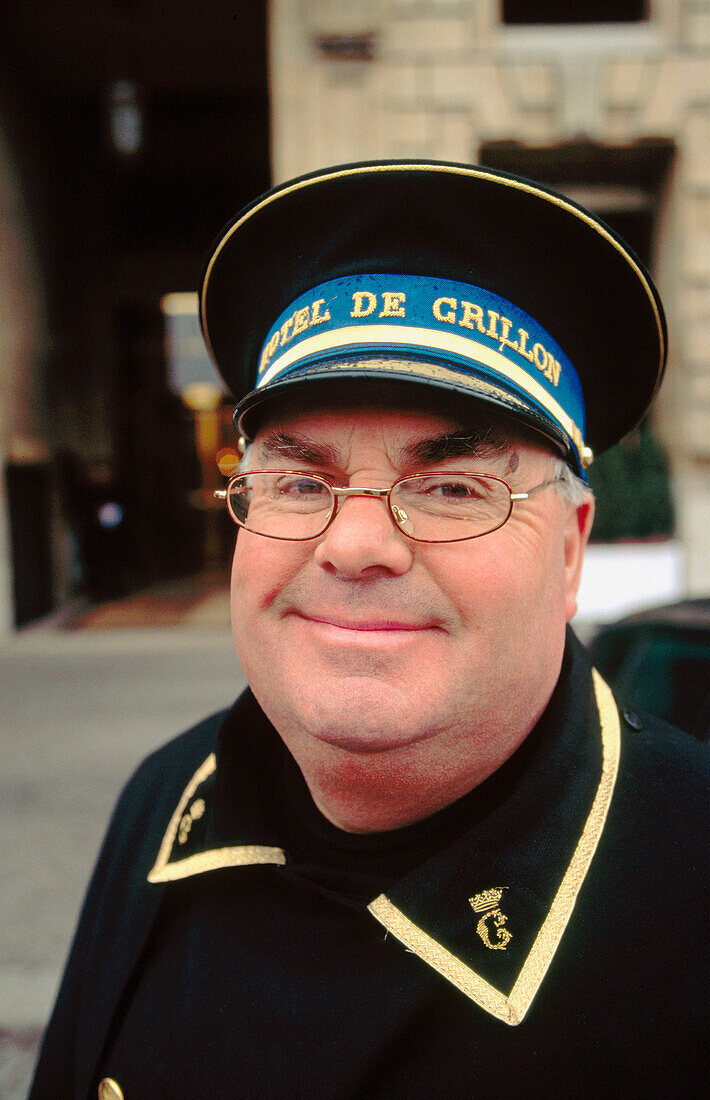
[362, 541]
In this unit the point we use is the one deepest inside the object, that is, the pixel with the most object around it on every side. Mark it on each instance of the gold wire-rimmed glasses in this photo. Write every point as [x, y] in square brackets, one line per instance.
[440, 506]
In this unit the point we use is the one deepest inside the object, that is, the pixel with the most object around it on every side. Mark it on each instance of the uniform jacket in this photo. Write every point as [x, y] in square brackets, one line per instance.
[558, 945]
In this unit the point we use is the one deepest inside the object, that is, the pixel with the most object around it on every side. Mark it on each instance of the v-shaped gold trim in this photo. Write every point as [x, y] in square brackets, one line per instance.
[242, 855]
[512, 1009]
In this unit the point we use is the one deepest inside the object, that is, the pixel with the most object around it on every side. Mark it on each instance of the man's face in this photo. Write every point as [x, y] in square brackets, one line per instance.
[366, 641]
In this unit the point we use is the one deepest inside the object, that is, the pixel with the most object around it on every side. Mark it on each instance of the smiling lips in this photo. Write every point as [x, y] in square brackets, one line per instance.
[366, 626]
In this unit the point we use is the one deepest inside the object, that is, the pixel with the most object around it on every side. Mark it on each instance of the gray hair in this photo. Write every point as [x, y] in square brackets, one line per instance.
[570, 486]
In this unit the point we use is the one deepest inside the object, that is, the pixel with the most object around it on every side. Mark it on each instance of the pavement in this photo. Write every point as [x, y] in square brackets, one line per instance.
[84, 697]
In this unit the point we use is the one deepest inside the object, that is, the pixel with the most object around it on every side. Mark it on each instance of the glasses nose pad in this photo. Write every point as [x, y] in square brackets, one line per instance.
[403, 520]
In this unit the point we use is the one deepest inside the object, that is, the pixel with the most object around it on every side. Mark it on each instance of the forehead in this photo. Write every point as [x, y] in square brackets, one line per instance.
[340, 421]
[397, 416]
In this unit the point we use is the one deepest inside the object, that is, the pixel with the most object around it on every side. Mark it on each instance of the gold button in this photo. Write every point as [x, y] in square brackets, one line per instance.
[110, 1089]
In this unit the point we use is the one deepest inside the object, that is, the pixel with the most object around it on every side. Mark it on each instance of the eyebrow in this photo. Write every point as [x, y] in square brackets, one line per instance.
[463, 443]
[282, 445]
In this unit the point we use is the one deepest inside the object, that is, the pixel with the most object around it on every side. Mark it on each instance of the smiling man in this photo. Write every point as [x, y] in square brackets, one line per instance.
[386, 662]
[425, 853]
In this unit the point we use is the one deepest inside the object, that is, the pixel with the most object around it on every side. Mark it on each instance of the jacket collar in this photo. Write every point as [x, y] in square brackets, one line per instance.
[488, 912]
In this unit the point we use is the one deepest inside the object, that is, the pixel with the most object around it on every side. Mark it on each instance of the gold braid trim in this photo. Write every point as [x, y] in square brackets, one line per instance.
[242, 855]
[512, 1009]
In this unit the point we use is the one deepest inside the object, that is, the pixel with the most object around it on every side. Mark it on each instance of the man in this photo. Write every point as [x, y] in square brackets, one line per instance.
[424, 854]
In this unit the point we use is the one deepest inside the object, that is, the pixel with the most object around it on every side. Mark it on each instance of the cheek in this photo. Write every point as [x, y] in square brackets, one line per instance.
[261, 569]
[512, 578]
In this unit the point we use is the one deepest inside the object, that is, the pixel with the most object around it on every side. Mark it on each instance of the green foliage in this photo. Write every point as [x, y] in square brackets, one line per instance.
[632, 490]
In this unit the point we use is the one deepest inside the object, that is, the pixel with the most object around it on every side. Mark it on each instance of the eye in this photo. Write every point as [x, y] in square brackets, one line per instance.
[301, 485]
[453, 487]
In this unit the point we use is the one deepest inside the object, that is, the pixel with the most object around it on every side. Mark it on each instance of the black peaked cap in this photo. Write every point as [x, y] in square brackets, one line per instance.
[532, 246]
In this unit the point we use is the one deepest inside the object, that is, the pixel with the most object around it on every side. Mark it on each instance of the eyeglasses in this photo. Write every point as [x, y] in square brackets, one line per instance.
[443, 506]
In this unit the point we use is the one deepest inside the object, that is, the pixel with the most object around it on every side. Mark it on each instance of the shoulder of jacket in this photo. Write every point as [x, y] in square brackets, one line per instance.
[156, 784]
[659, 743]
[664, 773]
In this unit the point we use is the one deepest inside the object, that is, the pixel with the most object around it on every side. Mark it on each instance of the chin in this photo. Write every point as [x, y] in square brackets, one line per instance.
[360, 722]
[361, 740]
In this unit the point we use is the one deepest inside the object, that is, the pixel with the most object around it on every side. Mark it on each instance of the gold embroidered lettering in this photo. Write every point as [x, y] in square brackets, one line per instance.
[393, 303]
[504, 341]
[450, 316]
[285, 334]
[471, 313]
[503, 936]
[555, 369]
[269, 350]
[195, 812]
[300, 320]
[539, 357]
[493, 319]
[317, 318]
[360, 308]
[523, 335]
[184, 830]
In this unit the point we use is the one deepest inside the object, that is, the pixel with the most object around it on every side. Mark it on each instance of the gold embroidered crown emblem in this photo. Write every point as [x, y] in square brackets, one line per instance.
[487, 899]
[492, 920]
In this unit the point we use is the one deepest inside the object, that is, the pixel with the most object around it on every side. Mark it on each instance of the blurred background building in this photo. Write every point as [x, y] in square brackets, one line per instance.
[131, 130]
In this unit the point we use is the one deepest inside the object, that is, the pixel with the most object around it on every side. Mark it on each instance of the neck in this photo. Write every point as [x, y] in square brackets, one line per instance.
[362, 792]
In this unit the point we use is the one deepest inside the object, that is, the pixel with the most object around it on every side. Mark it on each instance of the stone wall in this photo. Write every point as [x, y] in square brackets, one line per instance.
[358, 79]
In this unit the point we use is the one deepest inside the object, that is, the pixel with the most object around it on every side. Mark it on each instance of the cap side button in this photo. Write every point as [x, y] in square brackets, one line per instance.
[110, 1089]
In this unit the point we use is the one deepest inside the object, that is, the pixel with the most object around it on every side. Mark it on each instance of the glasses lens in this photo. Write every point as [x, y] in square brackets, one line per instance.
[446, 507]
[281, 505]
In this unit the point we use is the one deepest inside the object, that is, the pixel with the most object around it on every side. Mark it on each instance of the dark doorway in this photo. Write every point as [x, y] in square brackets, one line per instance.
[29, 498]
[146, 129]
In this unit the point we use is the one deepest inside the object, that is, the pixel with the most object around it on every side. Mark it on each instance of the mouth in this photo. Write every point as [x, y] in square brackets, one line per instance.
[336, 627]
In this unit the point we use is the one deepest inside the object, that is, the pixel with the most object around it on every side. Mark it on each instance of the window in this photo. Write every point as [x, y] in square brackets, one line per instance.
[536, 12]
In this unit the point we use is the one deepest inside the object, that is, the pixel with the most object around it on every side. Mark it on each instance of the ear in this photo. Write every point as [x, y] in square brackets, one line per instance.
[577, 530]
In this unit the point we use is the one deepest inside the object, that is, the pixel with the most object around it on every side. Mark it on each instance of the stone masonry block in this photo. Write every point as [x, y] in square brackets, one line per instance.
[453, 85]
[676, 82]
[348, 126]
[343, 16]
[696, 236]
[534, 127]
[697, 431]
[533, 85]
[402, 84]
[624, 84]
[696, 27]
[697, 344]
[413, 8]
[434, 39]
[410, 128]
[453, 136]
[622, 126]
[696, 302]
[696, 146]
[492, 105]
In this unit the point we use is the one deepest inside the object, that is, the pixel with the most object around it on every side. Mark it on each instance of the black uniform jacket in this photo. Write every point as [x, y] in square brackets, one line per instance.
[545, 935]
